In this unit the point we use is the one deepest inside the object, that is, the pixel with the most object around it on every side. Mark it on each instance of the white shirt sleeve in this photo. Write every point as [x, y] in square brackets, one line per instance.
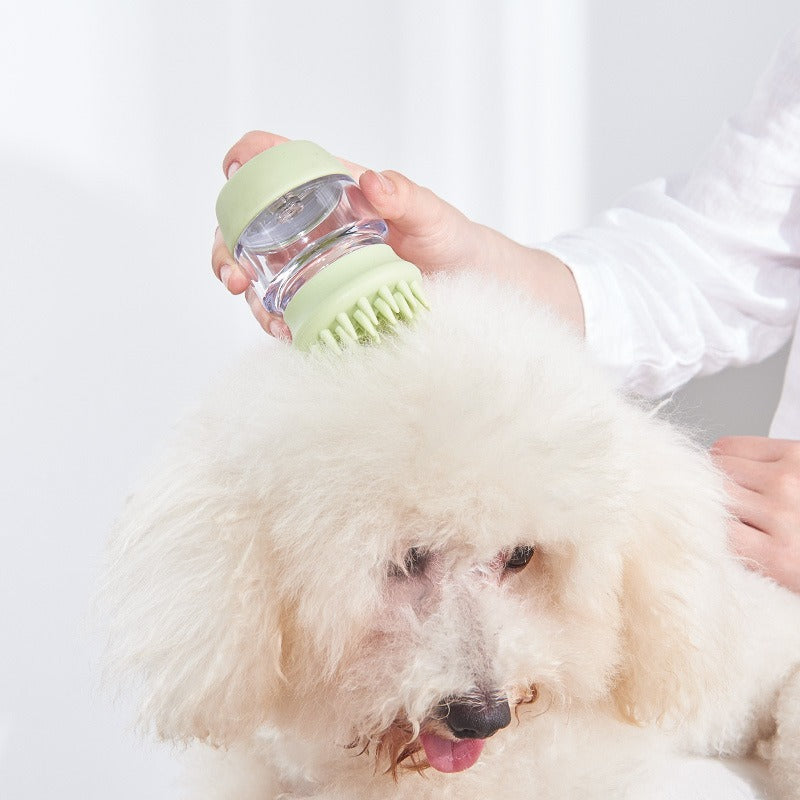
[689, 276]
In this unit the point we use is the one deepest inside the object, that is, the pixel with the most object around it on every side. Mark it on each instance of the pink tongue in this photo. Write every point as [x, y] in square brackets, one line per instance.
[448, 756]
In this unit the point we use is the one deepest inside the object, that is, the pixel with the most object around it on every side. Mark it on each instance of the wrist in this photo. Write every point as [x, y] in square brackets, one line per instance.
[544, 277]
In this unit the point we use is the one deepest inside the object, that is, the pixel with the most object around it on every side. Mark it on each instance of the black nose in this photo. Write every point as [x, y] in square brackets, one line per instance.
[469, 718]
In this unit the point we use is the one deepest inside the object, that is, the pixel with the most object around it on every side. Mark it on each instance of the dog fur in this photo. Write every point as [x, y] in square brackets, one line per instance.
[263, 600]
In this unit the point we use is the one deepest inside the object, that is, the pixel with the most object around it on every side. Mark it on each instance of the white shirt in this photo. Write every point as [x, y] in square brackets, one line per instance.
[689, 276]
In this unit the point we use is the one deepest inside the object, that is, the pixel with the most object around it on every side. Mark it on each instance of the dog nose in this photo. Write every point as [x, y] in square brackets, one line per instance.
[471, 719]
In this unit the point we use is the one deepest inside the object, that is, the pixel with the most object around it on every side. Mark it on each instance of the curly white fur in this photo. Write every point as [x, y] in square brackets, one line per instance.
[258, 593]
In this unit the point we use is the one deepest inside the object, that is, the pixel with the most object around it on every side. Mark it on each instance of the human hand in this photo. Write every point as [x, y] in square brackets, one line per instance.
[423, 228]
[764, 488]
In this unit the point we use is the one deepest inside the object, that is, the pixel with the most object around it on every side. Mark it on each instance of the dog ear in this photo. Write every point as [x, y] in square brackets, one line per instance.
[676, 605]
[194, 618]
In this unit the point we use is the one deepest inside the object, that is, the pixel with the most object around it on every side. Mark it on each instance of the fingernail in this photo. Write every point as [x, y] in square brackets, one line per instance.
[387, 184]
[280, 330]
[225, 274]
[234, 165]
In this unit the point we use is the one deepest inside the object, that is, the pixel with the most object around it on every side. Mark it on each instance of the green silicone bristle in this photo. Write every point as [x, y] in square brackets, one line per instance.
[356, 299]
[389, 307]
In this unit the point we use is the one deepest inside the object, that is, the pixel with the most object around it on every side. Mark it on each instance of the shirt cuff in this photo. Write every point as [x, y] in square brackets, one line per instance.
[606, 324]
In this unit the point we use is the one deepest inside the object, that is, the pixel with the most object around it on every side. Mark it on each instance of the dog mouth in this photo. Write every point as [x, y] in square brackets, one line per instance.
[452, 738]
[441, 750]
[462, 724]
[450, 755]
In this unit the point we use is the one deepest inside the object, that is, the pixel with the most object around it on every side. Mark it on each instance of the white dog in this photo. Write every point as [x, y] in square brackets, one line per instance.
[351, 571]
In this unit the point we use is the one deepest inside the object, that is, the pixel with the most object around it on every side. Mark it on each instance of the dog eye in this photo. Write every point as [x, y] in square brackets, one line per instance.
[413, 564]
[520, 556]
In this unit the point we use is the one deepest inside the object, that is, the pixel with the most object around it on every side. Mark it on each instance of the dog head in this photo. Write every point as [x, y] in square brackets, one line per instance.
[394, 548]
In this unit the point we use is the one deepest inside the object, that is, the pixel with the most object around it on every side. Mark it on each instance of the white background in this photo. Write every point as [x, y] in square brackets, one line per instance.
[115, 116]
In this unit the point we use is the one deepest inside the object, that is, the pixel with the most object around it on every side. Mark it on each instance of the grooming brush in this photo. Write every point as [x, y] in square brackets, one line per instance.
[314, 248]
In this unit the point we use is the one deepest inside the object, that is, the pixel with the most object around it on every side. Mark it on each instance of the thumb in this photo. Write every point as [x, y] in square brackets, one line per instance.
[410, 208]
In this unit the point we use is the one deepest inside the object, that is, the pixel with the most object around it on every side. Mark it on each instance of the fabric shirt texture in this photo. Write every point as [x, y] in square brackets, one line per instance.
[686, 277]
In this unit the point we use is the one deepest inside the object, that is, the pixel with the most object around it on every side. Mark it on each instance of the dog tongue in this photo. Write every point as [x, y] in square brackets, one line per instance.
[449, 756]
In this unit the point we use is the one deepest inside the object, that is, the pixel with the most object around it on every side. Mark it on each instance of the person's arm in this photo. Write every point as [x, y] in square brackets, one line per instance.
[682, 278]
[423, 229]
[690, 276]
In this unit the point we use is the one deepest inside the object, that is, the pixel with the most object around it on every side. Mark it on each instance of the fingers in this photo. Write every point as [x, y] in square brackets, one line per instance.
[757, 448]
[755, 547]
[236, 281]
[764, 489]
[255, 142]
[752, 475]
[748, 486]
[271, 323]
[251, 144]
[775, 558]
[749, 507]
[225, 268]
[402, 202]
[777, 482]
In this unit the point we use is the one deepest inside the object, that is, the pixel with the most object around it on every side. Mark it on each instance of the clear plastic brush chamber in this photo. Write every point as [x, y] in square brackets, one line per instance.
[315, 249]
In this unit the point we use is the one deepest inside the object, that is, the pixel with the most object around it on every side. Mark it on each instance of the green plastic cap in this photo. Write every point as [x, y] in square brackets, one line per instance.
[264, 178]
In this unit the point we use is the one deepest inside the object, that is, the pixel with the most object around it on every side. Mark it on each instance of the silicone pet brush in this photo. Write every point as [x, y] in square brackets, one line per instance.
[315, 249]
